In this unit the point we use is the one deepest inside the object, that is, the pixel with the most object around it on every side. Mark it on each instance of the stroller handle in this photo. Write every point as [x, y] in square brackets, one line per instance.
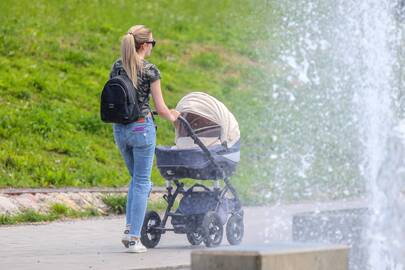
[197, 141]
[191, 133]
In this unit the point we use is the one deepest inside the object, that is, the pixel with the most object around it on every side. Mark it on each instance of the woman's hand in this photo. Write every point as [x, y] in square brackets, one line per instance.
[175, 114]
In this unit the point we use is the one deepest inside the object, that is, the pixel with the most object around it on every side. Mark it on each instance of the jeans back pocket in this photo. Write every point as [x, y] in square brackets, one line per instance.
[141, 134]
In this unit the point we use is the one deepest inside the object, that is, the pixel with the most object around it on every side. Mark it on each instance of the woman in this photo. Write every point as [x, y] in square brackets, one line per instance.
[136, 141]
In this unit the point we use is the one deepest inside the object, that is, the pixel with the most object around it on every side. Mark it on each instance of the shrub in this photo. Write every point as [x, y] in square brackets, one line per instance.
[116, 203]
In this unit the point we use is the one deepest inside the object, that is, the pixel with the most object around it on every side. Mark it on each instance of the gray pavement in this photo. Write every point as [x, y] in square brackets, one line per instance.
[95, 243]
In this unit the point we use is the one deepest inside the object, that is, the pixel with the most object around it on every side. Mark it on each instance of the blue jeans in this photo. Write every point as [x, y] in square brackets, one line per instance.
[137, 142]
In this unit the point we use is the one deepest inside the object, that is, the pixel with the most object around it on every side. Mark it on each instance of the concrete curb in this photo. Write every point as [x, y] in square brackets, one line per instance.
[18, 191]
[179, 267]
[14, 201]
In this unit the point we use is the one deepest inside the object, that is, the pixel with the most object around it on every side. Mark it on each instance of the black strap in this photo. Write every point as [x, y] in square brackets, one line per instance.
[190, 190]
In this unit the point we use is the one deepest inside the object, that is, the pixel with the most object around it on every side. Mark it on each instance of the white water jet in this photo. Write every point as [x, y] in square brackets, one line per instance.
[377, 82]
[343, 58]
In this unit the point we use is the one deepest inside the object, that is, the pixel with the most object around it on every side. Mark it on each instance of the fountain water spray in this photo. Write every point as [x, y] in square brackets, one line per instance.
[343, 59]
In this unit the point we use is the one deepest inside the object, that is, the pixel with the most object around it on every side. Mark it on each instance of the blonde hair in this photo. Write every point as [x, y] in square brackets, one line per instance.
[130, 44]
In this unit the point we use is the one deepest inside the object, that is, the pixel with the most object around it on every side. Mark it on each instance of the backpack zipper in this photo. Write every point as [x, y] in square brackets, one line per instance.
[133, 100]
[125, 94]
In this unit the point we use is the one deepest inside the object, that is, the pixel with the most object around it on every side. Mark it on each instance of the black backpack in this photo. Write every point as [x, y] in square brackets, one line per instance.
[119, 103]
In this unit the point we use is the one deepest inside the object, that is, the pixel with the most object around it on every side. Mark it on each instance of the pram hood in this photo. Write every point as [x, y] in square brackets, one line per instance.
[208, 107]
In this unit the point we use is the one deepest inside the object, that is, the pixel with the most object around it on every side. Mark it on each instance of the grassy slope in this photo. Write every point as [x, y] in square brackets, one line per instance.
[55, 57]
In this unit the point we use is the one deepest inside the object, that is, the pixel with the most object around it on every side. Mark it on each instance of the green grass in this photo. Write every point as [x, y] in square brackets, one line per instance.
[117, 204]
[53, 67]
[57, 211]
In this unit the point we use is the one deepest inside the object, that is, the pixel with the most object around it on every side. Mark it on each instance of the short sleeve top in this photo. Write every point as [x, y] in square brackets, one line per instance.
[150, 74]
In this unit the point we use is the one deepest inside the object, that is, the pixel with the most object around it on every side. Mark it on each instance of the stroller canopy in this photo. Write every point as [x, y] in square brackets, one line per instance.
[209, 118]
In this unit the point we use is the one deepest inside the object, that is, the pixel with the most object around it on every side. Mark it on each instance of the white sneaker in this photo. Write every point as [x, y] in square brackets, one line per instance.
[126, 238]
[136, 246]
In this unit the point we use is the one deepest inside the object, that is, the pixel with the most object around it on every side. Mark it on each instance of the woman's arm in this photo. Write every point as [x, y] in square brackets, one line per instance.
[160, 104]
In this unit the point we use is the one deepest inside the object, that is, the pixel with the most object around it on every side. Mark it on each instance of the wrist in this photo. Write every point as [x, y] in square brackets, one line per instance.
[170, 117]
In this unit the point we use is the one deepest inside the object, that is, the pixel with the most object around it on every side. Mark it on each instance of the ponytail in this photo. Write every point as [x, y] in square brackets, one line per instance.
[130, 58]
[131, 42]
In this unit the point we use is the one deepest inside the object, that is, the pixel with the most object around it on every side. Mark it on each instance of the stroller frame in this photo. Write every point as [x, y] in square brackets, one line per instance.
[160, 225]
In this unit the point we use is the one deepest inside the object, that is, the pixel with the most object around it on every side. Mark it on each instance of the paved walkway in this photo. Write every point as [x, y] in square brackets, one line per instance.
[95, 243]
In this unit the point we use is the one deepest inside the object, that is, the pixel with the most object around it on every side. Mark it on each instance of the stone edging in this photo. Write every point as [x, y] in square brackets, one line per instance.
[18, 191]
[14, 201]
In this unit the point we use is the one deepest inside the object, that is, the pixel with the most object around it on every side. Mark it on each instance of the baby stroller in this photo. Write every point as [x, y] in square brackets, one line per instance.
[207, 148]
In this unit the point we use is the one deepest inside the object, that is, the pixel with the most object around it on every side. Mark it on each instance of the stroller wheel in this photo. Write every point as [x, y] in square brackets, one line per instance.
[195, 238]
[212, 229]
[150, 237]
[235, 229]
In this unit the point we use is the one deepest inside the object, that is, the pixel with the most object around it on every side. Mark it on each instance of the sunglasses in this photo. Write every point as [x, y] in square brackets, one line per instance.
[153, 42]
